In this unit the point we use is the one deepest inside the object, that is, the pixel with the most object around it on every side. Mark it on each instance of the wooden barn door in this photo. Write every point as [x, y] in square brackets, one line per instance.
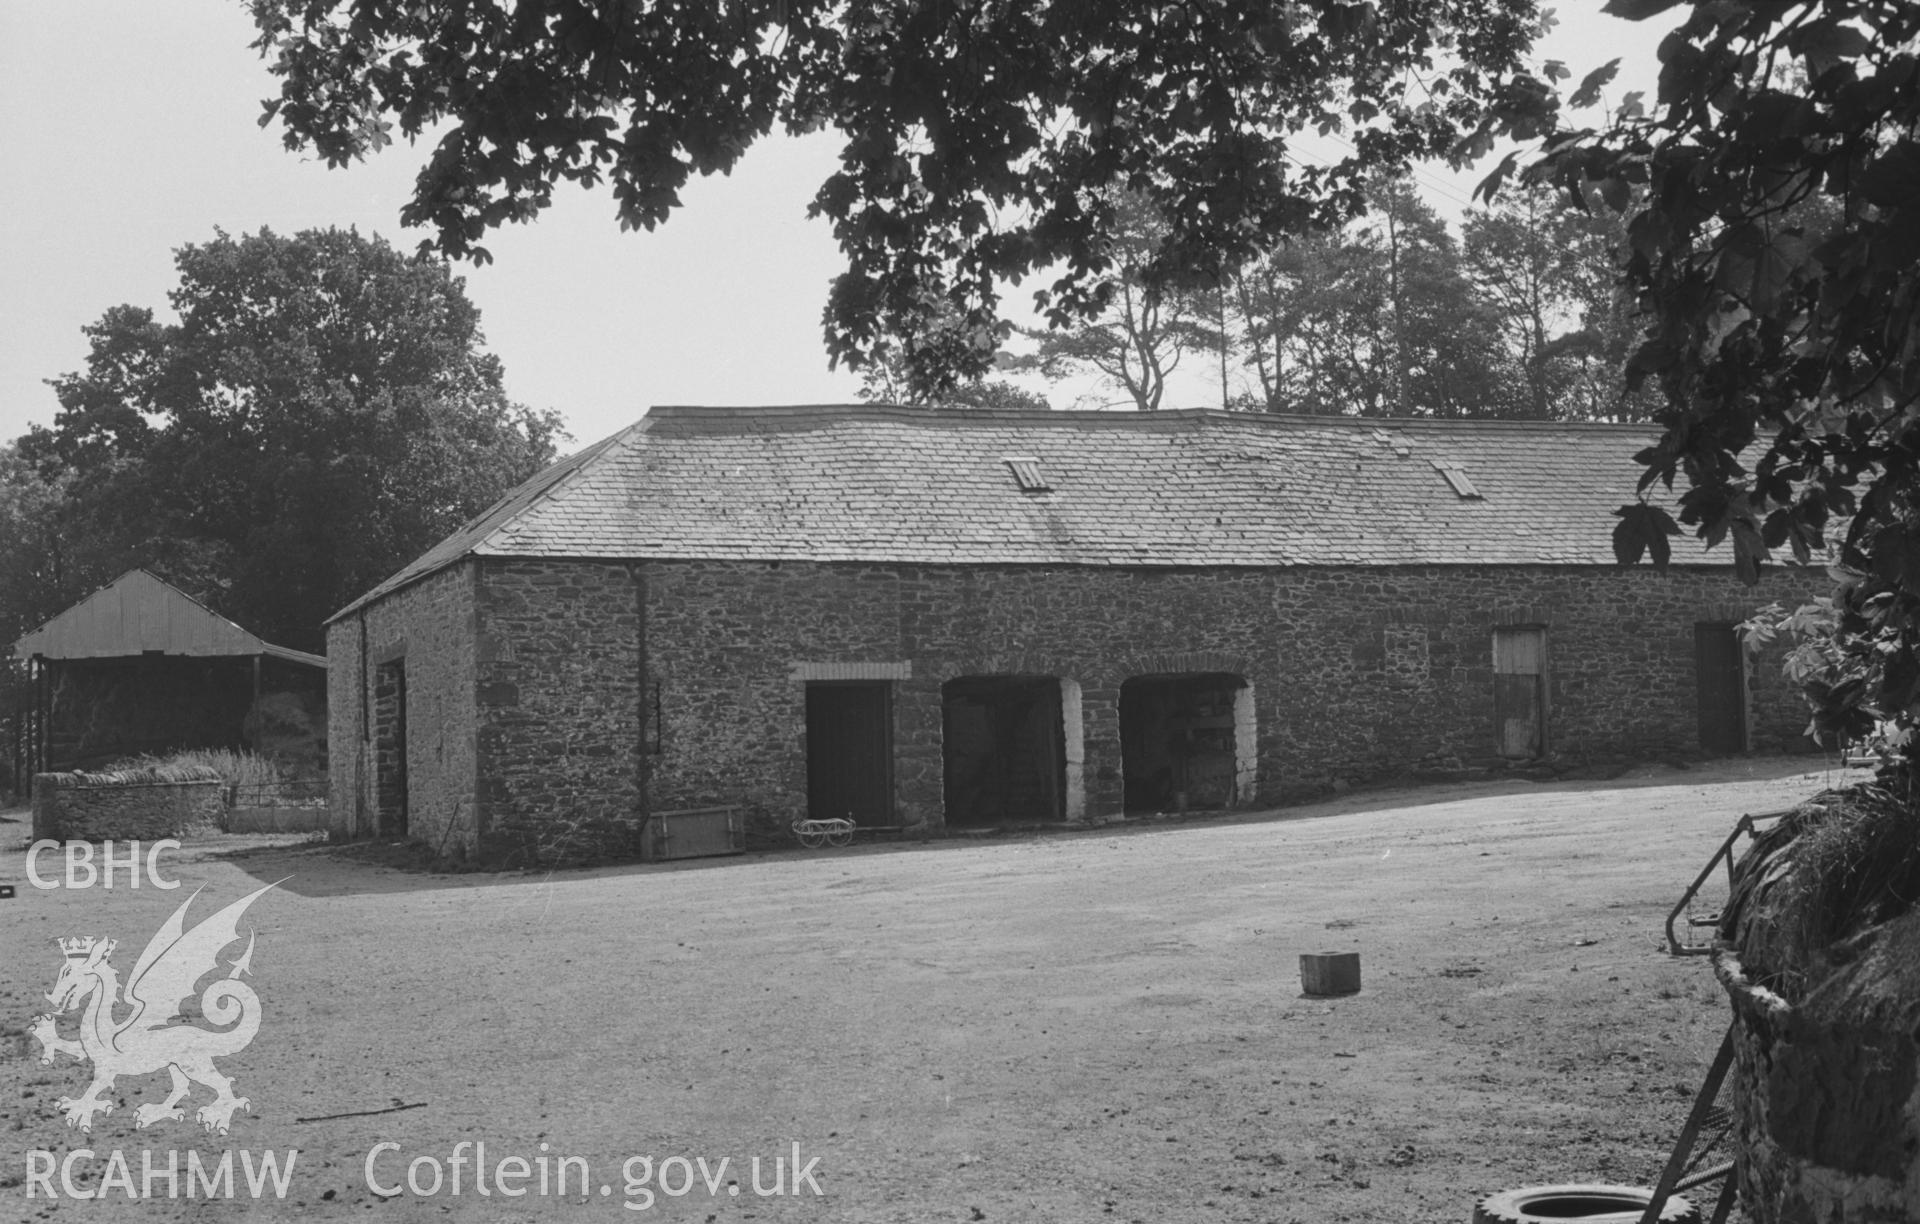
[850, 751]
[1720, 673]
[1520, 690]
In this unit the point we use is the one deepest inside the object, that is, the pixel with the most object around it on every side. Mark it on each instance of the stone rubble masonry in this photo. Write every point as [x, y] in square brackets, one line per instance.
[559, 710]
[429, 625]
[1826, 1094]
[532, 735]
[68, 808]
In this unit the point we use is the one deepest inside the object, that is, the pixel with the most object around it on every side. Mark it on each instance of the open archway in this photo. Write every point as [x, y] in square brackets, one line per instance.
[1186, 741]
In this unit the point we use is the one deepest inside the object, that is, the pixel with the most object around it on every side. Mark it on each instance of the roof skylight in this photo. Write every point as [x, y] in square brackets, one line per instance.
[1026, 471]
[1456, 477]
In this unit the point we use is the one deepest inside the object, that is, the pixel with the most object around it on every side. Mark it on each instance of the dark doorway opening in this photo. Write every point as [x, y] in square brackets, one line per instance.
[1178, 740]
[1720, 674]
[1005, 750]
[390, 748]
[850, 751]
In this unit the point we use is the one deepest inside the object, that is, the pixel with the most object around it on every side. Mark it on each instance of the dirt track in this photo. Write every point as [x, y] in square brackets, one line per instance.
[1089, 1026]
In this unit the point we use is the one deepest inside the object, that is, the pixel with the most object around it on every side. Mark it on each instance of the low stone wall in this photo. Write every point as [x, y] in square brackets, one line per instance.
[1826, 1112]
[1826, 1030]
[98, 807]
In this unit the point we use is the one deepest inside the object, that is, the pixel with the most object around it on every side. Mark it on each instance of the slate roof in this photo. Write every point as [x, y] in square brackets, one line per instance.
[1197, 487]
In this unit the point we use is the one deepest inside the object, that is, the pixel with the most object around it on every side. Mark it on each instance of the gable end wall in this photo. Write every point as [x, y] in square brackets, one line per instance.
[430, 625]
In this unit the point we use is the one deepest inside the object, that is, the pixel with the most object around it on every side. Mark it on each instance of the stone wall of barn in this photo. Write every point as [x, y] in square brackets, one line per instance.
[538, 721]
[401, 717]
[1355, 674]
[559, 709]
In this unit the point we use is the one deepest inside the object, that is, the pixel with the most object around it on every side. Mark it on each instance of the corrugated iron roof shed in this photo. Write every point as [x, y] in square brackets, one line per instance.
[1199, 487]
[136, 614]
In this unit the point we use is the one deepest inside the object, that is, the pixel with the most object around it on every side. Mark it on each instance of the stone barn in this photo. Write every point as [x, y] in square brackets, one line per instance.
[930, 619]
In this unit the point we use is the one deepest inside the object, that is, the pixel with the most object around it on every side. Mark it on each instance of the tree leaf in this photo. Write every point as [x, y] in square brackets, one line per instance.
[1643, 530]
[1490, 186]
[1893, 178]
[1748, 551]
[1617, 192]
[1900, 678]
[1629, 541]
[1651, 357]
[1592, 84]
[1826, 43]
[1638, 10]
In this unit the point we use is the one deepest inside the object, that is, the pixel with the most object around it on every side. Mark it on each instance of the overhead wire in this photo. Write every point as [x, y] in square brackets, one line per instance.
[1433, 183]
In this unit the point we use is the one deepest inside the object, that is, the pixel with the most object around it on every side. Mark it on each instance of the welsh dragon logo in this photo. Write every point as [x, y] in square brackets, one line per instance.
[155, 1034]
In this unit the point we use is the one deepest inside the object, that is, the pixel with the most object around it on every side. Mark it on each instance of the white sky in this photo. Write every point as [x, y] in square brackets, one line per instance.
[129, 128]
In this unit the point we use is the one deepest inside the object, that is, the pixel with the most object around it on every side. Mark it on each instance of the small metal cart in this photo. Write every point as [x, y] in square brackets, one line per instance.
[833, 831]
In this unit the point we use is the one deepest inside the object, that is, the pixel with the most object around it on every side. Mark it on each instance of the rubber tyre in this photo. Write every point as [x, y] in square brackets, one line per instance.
[1587, 1202]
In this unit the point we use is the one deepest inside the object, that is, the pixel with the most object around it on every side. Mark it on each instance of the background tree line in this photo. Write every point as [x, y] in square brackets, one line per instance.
[1520, 317]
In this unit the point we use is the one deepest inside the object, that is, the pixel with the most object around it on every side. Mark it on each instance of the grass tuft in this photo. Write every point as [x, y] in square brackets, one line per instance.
[1859, 862]
[234, 768]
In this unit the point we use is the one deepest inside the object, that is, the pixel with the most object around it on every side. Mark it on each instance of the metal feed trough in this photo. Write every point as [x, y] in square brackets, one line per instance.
[694, 833]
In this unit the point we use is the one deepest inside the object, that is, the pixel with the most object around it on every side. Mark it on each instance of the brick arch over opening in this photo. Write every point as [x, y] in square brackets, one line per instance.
[1176, 662]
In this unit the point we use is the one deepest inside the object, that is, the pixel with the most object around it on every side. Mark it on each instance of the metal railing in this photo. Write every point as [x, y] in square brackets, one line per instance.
[304, 792]
[1744, 827]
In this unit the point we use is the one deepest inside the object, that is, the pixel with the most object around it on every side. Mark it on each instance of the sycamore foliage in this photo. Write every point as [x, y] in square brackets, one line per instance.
[1778, 265]
[322, 412]
[980, 139]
